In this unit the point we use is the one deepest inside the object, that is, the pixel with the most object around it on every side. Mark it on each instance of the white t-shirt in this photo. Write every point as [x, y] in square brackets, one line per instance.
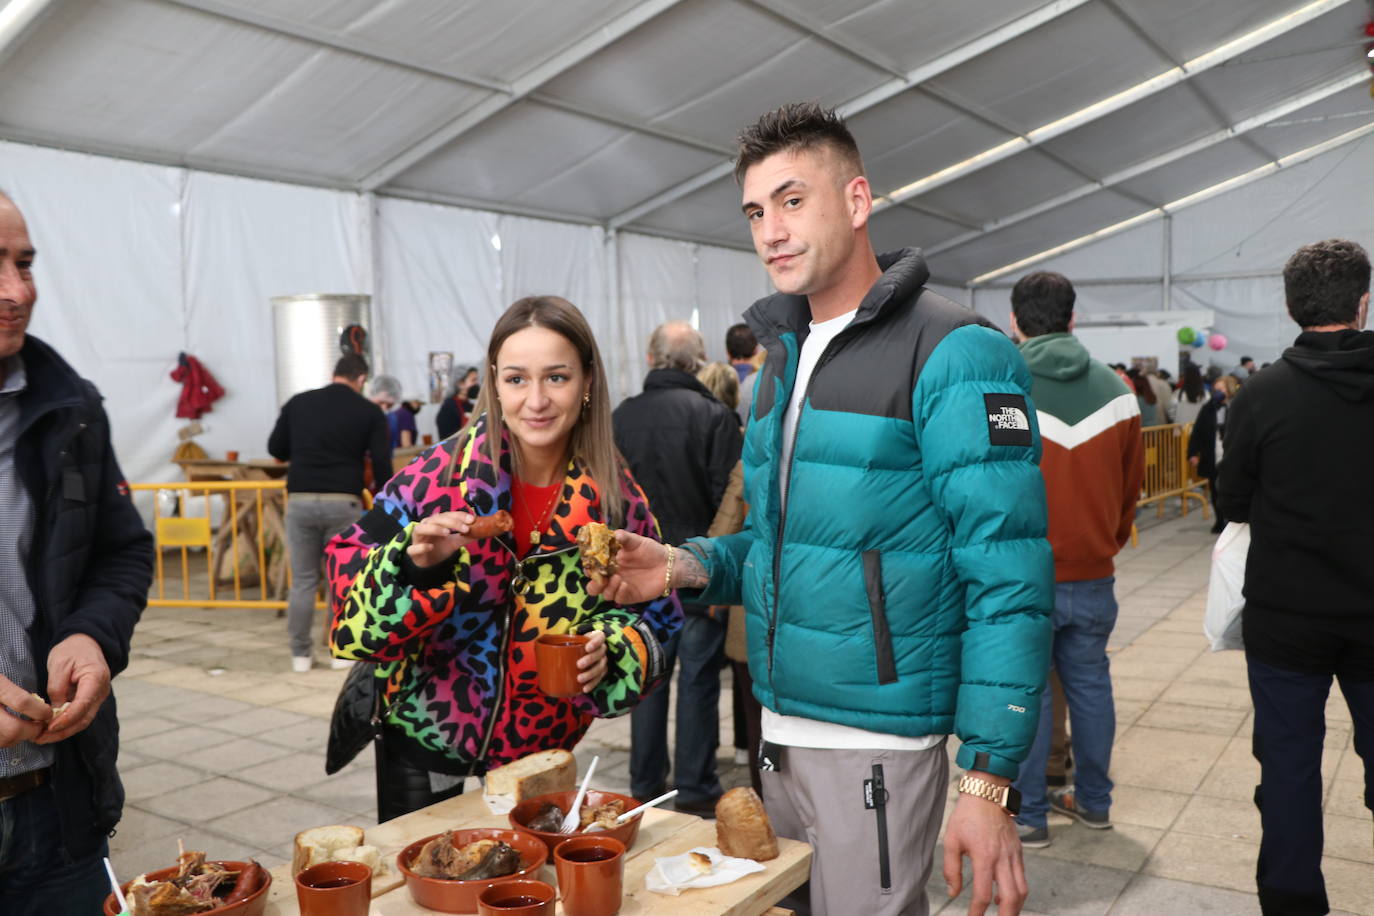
[796, 731]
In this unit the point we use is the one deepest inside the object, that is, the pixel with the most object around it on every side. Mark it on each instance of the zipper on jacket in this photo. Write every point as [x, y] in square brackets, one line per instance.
[500, 690]
[782, 510]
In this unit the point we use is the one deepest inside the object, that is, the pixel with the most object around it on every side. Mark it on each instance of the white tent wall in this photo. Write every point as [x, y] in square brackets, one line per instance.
[1226, 253]
[657, 284]
[109, 279]
[727, 283]
[246, 241]
[440, 289]
[663, 280]
[140, 262]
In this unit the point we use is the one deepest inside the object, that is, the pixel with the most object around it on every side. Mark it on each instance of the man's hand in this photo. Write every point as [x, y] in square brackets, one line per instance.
[435, 539]
[641, 565]
[13, 729]
[593, 661]
[79, 675]
[981, 830]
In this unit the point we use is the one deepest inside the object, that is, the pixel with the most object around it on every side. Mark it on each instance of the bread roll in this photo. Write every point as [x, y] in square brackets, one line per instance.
[367, 855]
[318, 844]
[536, 774]
[742, 826]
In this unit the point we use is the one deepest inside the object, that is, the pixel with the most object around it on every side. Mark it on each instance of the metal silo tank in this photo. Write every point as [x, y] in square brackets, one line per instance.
[306, 332]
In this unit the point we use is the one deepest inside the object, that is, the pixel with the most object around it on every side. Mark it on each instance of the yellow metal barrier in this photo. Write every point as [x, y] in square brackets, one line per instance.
[1167, 471]
[241, 527]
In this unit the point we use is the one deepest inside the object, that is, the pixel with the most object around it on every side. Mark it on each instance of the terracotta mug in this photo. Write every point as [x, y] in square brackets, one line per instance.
[591, 875]
[517, 898]
[335, 889]
[231, 456]
[556, 656]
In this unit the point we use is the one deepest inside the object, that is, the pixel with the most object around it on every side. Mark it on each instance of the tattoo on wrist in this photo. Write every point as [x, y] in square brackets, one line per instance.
[688, 571]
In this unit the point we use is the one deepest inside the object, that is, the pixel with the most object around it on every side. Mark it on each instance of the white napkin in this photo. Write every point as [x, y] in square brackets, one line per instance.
[673, 875]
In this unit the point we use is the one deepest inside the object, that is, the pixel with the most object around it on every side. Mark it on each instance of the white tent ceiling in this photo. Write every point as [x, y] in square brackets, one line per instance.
[995, 129]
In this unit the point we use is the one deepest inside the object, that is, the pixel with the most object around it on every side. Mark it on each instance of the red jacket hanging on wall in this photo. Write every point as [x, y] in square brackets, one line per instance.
[198, 387]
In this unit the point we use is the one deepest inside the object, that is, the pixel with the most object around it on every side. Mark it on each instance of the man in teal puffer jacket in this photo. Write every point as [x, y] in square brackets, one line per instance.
[895, 569]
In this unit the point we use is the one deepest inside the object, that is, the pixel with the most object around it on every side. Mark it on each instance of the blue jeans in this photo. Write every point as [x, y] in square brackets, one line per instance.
[698, 649]
[37, 876]
[1084, 615]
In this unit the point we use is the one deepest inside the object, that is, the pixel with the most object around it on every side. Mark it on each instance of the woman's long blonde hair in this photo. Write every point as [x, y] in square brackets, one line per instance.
[593, 441]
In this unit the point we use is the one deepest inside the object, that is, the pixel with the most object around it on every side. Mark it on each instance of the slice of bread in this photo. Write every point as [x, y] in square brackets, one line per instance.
[368, 855]
[317, 844]
[537, 774]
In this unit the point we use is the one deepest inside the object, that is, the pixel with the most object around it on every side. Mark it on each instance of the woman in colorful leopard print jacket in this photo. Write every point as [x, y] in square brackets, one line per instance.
[451, 619]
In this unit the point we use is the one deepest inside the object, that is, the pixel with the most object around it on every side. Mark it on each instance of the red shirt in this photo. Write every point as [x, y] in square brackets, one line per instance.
[531, 508]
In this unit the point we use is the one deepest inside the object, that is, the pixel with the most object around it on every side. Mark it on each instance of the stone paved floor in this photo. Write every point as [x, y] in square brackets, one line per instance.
[223, 747]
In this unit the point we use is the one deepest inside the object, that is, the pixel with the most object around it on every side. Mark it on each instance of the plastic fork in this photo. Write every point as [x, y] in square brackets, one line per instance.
[595, 827]
[573, 819]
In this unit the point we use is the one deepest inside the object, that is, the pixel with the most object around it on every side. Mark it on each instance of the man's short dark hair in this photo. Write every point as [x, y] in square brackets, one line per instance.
[1323, 282]
[350, 366]
[740, 342]
[795, 127]
[1043, 303]
[1246, 359]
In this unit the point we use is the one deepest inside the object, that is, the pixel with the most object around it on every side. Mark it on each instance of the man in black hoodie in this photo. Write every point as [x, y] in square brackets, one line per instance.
[1298, 445]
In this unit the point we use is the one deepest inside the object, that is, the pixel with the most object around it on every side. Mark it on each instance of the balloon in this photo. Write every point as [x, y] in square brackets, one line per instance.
[1200, 339]
[1217, 342]
[1186, 335]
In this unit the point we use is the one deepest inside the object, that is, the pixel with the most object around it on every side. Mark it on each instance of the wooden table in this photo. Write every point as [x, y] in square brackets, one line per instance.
[662, 834]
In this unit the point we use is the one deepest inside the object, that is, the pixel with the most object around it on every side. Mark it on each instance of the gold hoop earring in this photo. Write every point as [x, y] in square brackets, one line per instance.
[586, 399]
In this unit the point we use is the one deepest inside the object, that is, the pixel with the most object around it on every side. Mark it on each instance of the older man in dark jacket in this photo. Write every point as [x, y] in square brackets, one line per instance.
[75, 566]
[680, 443]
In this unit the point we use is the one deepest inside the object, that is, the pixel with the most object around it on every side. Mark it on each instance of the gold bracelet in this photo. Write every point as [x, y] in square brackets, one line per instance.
[668, 577]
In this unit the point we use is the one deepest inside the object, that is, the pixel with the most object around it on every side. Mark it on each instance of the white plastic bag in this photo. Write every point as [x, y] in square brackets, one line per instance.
[1221, 624]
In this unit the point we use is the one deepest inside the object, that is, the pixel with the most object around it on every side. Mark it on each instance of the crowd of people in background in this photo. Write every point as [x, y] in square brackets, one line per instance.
[986, 485]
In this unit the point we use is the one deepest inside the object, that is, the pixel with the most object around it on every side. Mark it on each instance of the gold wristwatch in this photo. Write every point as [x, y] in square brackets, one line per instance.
[1006, 796]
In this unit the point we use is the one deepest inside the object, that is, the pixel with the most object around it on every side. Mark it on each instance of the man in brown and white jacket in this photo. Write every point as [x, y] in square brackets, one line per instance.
[1093, 467]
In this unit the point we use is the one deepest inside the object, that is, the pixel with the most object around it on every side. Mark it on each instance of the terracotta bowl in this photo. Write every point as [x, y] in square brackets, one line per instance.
[527, 809]
[252, 906]
[452, 896]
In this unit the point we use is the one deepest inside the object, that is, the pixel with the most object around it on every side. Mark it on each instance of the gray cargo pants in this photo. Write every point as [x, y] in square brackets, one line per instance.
[828, 798]
[311, 520]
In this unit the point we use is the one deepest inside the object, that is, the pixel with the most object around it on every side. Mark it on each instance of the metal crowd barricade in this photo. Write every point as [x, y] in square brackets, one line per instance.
[1167, 471]
[239, 525]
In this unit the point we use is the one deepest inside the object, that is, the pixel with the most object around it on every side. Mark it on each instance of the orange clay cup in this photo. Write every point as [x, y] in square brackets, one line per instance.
[335, 889]
[591, 875]
[556, 656]
[517, 898]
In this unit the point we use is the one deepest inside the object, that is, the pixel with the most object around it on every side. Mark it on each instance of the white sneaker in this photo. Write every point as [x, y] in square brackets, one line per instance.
[340, 664]
[300, 663]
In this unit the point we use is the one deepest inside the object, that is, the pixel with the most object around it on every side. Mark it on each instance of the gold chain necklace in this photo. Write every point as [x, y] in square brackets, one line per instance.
[538, 523]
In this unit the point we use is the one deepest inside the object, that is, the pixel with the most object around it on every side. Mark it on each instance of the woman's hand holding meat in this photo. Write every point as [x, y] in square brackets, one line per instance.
[435, 539]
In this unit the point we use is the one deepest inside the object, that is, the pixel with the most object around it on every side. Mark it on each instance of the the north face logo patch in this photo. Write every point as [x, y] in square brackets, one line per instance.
[1008, 419]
